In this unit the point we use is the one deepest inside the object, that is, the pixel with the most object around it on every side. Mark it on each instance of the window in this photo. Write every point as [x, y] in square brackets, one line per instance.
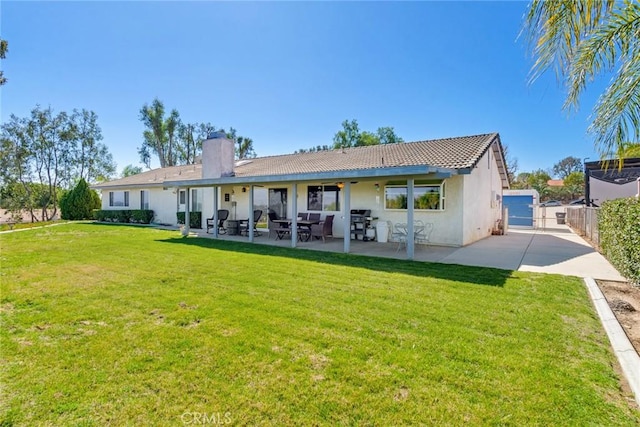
[118, 198]
[323, 198]
[425, 197]
[144, 199]
[196, 200]
[183, 197]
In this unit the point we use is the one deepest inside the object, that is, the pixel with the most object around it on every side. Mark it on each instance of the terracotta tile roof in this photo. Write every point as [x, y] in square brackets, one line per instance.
[156, 177]
[555, 182]
[449, 153]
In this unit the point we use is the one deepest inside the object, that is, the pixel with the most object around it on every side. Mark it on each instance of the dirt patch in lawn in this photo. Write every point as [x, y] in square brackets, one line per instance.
[624, 300]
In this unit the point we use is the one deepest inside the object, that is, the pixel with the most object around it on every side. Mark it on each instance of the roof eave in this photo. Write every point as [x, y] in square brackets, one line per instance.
[402, 171]
[125, 186]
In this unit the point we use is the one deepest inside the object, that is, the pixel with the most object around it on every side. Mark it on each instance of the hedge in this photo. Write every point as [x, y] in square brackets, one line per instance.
[195, 219]
[619, 228]
[139, 216]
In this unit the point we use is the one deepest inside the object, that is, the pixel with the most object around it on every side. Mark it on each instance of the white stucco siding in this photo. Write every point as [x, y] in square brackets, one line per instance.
[481, 207]
[163, 203]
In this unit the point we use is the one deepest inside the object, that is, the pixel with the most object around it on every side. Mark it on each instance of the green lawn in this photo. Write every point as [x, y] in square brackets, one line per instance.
[113, 325]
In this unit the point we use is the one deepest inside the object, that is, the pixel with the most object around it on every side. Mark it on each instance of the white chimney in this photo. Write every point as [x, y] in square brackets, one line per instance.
[218, 156]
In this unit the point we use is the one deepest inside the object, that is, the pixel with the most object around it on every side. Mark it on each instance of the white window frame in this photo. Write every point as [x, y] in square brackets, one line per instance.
[196, 199]
[144, 199]
[416, 194]
[322, 190]
[116, 201]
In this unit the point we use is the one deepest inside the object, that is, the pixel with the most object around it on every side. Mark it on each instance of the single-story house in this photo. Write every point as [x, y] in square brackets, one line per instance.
[455, 183]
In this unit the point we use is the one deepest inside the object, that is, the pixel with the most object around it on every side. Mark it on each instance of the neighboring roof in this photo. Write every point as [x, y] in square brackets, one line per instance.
[555, 182]
[449, 154]
[612, 171]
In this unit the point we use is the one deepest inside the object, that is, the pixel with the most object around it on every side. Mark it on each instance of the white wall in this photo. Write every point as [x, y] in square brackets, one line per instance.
[162, 202]
[468, 213]
[481, 207]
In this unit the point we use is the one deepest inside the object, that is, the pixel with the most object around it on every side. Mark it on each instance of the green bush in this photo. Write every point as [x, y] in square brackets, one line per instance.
[79, 202]
[619, 228]
[195, 219]
[141, 216]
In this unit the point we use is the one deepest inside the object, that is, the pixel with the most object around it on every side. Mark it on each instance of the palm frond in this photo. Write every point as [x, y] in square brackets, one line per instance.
[554, 30]
[617, 114]
[613, 41]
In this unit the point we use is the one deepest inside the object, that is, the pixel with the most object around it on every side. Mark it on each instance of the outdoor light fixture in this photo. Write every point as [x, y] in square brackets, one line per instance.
[340, 185]
[244, 189]
[377, 186]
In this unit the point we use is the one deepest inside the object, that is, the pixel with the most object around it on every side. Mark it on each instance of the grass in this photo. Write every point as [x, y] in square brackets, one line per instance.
[25, 225]
[107, 324]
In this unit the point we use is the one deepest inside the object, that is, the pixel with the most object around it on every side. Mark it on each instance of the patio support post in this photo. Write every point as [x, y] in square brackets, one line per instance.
[215, 212]
[410, 225]
[347, 217]
[251, 223]
[187, 213]
[294, 215]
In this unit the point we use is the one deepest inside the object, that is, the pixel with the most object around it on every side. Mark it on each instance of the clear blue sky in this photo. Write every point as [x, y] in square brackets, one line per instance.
[287, 74]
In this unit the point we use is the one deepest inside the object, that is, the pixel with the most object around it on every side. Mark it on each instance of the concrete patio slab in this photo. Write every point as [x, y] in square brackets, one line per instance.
[556, 249]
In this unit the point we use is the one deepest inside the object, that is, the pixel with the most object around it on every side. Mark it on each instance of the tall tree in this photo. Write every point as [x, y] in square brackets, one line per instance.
[582, 39]
[538, 180]
[160, 134]
[348, 136]
[4, 47]
[90, 159]
[511, 164]
[245, 148]
[351, 136]
[191, 136]
[574, 184]
[566, 166]
[386, 135]
[53, 151]
[130, 170]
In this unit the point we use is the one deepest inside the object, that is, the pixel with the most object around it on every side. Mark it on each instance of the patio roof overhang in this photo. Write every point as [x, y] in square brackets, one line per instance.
[391, 172]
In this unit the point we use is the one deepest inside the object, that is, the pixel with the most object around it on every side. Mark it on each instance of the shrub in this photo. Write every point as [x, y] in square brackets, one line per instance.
[619, 228]
[141, 216]
[195, 219]
[79, 202]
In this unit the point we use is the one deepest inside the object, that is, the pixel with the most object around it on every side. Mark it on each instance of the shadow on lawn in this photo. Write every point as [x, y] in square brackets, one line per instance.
[476, 275]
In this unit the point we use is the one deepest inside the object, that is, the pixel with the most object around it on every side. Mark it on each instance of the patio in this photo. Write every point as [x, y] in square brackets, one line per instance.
[556, 249]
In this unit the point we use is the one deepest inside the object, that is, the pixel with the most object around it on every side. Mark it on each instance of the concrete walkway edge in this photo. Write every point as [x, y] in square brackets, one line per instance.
[624, 351]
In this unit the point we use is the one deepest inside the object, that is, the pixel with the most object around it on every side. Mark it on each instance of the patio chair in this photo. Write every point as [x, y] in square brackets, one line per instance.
[223, 214]
[314, 217]
[323, 229]
[303, 215]
[423, 237]
[279, 228]
[399, 234]
[244, 227]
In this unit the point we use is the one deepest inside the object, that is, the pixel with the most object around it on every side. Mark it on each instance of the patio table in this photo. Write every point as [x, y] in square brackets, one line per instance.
[285, 227]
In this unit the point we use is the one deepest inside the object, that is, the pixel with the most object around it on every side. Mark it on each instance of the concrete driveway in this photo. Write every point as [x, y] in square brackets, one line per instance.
[557, 249]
